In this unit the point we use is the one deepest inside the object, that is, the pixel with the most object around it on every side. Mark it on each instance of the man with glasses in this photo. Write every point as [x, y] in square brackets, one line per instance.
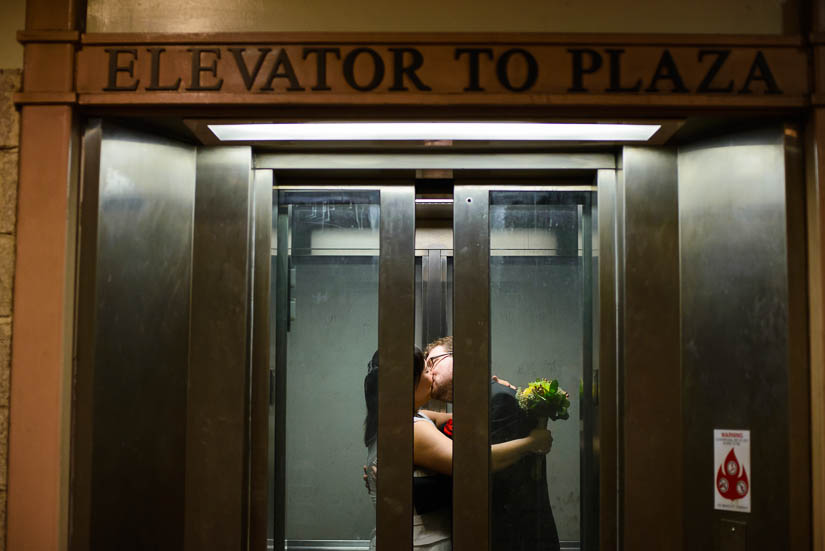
[439, 354]
[522, 519]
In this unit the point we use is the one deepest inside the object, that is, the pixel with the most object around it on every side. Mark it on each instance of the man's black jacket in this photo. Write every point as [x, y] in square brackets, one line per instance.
[521, 516]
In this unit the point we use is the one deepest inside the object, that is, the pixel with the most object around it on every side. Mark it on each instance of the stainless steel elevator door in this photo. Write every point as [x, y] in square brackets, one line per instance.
[330, 243]
[542, 310]
[543, 268]
[333, 257]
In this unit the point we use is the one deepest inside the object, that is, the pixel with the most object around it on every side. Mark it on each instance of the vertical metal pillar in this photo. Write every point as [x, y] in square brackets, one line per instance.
[471, 444]
[217, 445]
[280, 379]
[652, 414]
[589, 469]
[608, 361]
[396, 334]
[259, 343]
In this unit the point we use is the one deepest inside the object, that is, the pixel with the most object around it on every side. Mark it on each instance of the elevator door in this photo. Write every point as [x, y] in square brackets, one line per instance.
[325, 265]
[182, 428]
[543, 267]
[539, 278]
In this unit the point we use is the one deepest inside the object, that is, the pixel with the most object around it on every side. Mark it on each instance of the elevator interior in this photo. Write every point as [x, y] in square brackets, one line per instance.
[229, 304]
[541, 283]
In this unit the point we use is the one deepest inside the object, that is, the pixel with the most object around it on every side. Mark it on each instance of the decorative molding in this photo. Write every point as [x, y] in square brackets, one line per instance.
[26, 37]
[444, 38]
[44, 98]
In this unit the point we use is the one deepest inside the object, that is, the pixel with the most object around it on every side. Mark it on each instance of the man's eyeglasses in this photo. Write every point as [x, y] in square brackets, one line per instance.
[432, 361]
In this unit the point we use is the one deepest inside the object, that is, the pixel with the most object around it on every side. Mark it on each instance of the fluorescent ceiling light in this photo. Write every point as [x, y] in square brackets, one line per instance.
[527, 131]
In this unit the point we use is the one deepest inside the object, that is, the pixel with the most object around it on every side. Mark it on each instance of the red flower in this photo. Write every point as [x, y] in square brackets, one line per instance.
[448, 428]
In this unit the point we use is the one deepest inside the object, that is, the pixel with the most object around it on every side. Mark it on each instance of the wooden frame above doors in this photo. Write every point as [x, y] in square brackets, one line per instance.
[685, 72]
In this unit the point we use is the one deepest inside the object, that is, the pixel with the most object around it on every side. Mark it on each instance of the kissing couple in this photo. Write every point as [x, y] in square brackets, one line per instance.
[521, 517]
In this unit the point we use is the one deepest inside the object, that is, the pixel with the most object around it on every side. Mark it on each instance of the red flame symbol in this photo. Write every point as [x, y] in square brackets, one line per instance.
[732, 480]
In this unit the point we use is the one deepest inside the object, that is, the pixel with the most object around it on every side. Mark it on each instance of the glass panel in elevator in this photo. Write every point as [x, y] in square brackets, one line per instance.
[325, 251]
[543, 266]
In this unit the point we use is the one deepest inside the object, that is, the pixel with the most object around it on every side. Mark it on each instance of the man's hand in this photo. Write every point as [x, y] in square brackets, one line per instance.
[503, 382]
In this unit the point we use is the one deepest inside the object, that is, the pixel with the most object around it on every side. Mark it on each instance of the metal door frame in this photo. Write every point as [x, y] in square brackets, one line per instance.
[395, 446]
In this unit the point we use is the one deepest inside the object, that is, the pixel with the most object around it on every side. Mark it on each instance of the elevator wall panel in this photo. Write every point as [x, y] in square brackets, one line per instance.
[734, 301]
[141, 326]
[650, 351]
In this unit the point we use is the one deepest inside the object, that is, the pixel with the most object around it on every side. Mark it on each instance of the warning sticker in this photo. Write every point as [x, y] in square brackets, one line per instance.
[732, 470]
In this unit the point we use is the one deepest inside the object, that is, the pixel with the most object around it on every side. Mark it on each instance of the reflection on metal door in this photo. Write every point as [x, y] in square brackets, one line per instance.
[171, 315]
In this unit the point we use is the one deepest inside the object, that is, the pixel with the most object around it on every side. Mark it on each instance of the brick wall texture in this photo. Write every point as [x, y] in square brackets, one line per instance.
[9, 142]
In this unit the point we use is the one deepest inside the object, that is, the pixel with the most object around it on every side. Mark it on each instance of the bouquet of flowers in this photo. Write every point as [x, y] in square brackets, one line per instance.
[543, 399]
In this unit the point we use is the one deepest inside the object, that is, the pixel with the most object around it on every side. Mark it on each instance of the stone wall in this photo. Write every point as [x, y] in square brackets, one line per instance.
[9, 135]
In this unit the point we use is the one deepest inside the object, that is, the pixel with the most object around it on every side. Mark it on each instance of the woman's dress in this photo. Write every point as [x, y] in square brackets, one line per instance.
[431, 530]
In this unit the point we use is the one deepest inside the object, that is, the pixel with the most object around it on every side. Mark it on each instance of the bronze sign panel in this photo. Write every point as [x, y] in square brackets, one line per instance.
[151, 70]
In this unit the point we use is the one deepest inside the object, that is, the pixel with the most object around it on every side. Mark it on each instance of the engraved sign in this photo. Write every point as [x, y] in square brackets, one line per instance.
[535, 73]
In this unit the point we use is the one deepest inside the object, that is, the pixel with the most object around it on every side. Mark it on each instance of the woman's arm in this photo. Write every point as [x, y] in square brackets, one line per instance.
[432, 450]
[438, 417]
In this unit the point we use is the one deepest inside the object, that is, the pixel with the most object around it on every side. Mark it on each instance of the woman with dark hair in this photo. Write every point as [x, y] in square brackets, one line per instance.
[431, 492]
[371, 432]
[433, 457]
[371, 398]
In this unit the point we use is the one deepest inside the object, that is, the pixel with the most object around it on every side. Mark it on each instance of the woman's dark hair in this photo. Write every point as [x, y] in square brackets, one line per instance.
[418, 366]
[371, 392]
[371, 398]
